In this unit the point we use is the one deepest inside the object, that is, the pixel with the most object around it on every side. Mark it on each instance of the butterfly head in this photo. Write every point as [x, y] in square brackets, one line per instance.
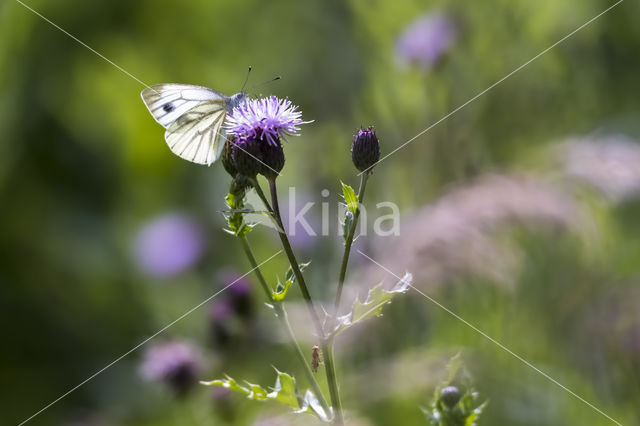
[236, 100]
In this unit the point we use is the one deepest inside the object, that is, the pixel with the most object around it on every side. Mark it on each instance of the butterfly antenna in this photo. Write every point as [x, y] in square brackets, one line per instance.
[246, 79]
[265, 82]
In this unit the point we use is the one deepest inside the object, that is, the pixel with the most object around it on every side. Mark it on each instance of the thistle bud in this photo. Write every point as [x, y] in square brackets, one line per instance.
[365, 150]
[250, 156]
[245, 156]
[450, 396]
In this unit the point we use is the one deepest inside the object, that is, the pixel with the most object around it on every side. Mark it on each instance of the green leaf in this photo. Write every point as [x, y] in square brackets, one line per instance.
[350, 197]
[473, 417]
[373, 304]
[284, 391]
[290, 278]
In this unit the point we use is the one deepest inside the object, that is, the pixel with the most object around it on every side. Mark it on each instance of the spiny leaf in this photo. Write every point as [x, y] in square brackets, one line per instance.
[234, 220]
[373, 304]
[284, 391]
[290, 278]
[350, 197]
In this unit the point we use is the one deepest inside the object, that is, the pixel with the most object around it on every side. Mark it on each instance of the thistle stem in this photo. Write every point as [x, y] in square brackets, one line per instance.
[332, 381]
[281, 313]
[349, 241]
[254, 264]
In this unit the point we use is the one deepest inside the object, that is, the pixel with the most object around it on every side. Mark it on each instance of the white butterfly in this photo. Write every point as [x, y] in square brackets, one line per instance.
[194, 118]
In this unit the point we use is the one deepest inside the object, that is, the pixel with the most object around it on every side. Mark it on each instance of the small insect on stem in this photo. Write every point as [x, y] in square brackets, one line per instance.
[316, 358]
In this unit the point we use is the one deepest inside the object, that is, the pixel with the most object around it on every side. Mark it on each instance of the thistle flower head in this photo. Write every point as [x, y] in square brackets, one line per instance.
[255, 129]
[265, 119]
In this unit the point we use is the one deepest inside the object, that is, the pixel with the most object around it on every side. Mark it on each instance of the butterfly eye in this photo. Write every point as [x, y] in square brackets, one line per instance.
[168, 107]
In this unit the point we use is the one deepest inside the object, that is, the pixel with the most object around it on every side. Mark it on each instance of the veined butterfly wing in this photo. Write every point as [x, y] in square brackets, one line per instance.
[167, 102]
[197, 135]
[193, 117]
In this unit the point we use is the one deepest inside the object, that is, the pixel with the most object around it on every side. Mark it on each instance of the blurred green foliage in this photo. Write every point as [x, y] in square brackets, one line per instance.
[83, 166]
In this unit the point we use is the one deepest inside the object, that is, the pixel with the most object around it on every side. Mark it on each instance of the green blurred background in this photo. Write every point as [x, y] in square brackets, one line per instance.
[84, 171]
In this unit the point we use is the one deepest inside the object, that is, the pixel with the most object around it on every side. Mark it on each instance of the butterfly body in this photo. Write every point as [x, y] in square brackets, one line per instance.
[193, 117]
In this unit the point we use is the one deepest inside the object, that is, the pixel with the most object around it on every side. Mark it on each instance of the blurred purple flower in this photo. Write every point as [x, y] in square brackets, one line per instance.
[178, 364]
[239, 294]
[221, 310]
[229, 316]
[221, 324]
[425, 40]
[168, 245]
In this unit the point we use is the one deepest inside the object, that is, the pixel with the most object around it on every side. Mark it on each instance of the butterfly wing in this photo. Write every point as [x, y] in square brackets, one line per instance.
[197, 135]
[193, 117]
[167, 102]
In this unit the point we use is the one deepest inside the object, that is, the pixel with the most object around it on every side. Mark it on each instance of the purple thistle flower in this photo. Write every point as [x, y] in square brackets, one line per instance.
[177, 364]
[265, 119]
[425, 40]
[168, 245]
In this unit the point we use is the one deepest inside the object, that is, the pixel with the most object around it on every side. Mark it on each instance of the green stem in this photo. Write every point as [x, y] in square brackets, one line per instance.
[281, 313]
[349, 241]
[258, 188]
[332, 381]
[254, 264]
